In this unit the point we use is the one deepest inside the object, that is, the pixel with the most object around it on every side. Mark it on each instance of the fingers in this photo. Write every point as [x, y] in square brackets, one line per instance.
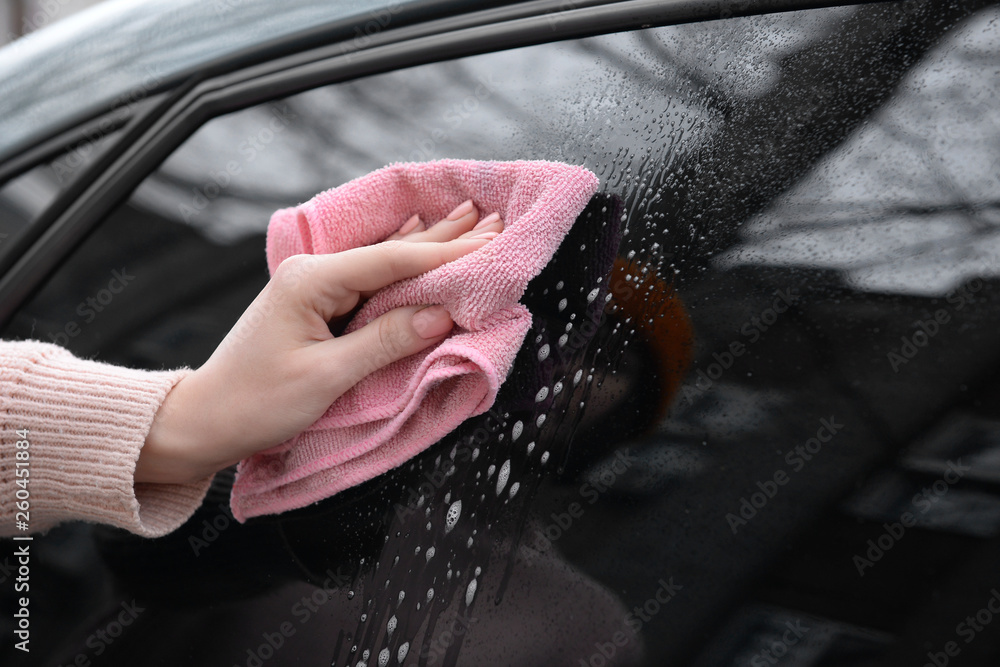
[336, 281]
[463, 222]
[340, 284]
[411, 225]
[392, 336]
[414, 224]
[459, 221]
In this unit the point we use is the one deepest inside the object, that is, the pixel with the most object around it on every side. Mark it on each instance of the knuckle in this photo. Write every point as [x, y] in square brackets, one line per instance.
[390, 253]
[392, 341]
[293, 270]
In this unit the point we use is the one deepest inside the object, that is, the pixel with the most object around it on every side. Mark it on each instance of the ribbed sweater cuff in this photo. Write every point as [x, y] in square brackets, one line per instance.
[86, 423]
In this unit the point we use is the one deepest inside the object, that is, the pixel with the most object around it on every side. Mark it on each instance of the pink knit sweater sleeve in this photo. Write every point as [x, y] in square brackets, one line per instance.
[86, 422]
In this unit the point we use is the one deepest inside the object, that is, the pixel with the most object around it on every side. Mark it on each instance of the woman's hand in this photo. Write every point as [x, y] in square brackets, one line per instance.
[280, 367]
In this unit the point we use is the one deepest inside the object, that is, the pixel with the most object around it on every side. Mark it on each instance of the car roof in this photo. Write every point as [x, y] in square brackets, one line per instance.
[123, 49]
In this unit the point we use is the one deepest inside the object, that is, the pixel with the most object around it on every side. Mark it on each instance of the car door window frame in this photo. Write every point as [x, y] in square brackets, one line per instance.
[147, 144]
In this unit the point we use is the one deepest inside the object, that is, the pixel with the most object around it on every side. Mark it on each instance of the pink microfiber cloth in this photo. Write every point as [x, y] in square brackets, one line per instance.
[398, 411]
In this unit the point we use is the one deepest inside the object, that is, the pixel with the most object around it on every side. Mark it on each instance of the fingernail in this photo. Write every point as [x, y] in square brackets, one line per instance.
[463, 209]
[489, 236]
[410, 225]
[487, 221]
[432, 321]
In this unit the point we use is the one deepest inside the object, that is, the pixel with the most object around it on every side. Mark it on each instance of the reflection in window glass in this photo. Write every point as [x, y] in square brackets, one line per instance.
[22, 199]
[786, 280]
[908, 204]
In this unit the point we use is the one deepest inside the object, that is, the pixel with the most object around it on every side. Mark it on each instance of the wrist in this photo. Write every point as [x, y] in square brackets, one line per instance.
[170, 454]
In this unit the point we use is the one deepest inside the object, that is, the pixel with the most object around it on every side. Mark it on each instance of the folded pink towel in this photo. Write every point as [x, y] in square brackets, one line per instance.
[398, 411]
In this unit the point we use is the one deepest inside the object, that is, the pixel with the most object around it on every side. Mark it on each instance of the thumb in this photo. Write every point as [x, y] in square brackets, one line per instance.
[388, 338]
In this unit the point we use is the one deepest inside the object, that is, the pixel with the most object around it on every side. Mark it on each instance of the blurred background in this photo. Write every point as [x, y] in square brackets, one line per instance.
[20, 17]
[847, 157]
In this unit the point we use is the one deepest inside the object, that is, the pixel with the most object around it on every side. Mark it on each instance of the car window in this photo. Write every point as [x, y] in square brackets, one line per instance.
[24, 198]
[768, 334]
[40, 77]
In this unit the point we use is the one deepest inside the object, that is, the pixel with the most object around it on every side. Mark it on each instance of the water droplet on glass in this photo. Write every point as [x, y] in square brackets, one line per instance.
[513, 488]
[559, 285]
[390, 626]
[383, 658]
[470, 592]
[402, 594]
[489, 471]
[563, 340]
[545, 457]
[542, 394]
[576, 378]
[430, 594]
[430, 553]
[593, 294]
[517, 430]
[451, 519]
[531, 446]
[403, 650]
[543, 352]
[562, 304]
[502, 477]
[539, 421]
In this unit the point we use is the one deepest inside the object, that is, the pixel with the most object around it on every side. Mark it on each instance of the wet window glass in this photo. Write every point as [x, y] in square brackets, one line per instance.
[756, 416]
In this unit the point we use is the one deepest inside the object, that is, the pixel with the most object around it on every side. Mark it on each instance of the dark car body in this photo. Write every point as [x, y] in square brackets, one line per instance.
[773, 331]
